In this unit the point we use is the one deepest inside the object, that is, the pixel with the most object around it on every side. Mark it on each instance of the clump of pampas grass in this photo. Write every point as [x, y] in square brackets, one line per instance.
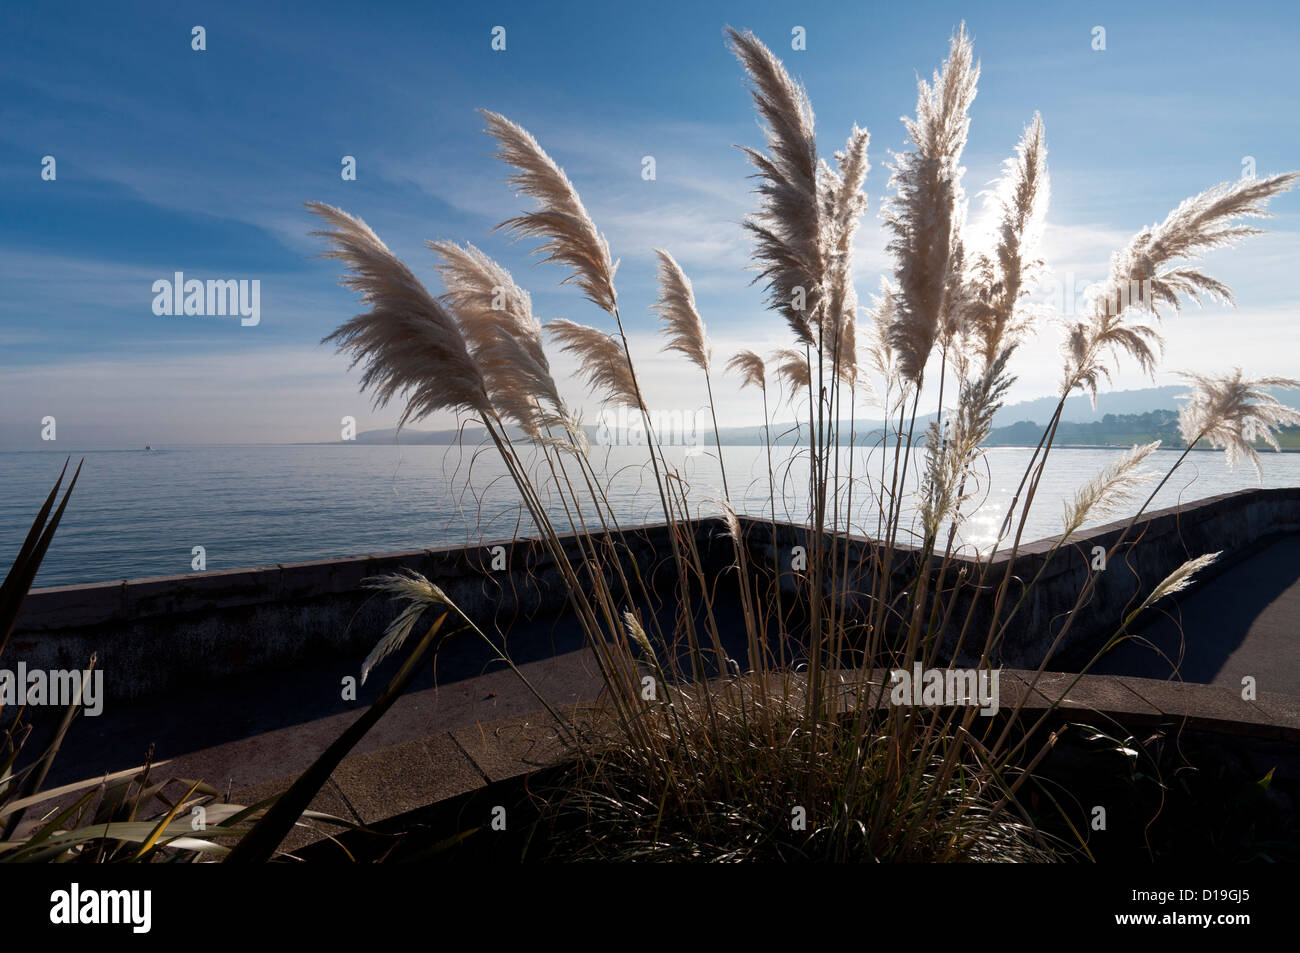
[694, 771]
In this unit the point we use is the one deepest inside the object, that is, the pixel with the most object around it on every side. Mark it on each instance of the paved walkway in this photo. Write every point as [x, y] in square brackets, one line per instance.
[1245, 621]
[262, 726]
[255, 728]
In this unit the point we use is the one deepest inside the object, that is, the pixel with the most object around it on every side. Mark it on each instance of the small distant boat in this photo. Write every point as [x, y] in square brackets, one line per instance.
[147, 447]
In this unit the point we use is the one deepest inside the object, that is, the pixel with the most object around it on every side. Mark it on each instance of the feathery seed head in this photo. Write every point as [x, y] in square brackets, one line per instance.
[787, 228]
[1179, 579]
[408, 343]
[843, 206]
[1003, 275]
[1139, 280]
[681, 320]
[569, 235]
[750, 367]
[504, 337]
[601, 358]
[792, 368]
[1110, 490]
[637, 632]
[1232, 411]
[418, 593]
[925, 214]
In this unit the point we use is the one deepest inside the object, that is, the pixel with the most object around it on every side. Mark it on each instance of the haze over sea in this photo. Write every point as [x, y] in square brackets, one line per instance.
[137, 514]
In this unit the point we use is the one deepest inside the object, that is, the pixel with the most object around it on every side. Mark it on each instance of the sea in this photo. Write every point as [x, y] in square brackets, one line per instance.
[142, 513]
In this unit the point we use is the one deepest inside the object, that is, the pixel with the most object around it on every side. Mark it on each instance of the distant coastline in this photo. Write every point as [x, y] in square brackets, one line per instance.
[1118, 420]
[1110, 432]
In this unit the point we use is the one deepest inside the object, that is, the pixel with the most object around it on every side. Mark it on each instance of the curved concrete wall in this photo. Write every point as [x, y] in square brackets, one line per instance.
[155, 635]
[1235, 524]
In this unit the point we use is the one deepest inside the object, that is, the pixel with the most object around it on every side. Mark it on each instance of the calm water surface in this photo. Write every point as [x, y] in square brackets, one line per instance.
[137, 513]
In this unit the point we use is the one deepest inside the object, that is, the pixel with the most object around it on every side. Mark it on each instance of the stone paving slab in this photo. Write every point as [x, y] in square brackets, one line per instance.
[378, 785]
[1209, 707]
[1282, 711]
[509, 748]
[1089, 693]
[329, 800]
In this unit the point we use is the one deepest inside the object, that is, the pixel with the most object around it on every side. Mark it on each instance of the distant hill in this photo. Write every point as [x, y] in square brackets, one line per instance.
[1112, 430]
[1121, 418]
[1079, 408]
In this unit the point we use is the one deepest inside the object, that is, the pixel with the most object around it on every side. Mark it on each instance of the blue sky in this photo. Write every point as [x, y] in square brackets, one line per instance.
[172, 160]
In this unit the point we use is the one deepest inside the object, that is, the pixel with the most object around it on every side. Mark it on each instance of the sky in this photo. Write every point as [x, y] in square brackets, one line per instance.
[169, 159]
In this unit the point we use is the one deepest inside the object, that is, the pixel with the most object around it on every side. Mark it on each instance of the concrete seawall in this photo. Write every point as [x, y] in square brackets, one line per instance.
[1234, 524]
[158, 635]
